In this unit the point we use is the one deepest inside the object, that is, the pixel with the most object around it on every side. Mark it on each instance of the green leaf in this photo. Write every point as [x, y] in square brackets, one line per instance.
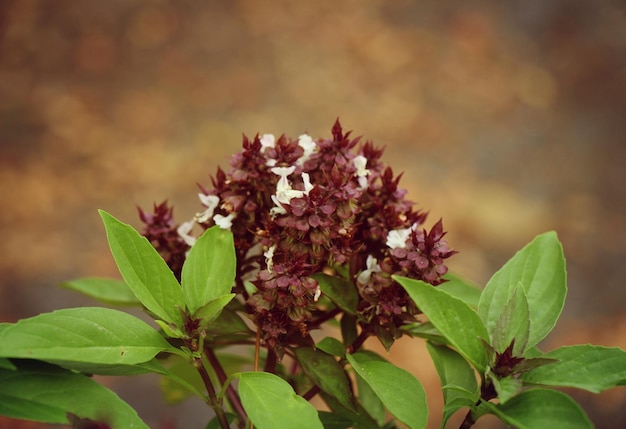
[588, 367]
[87, 334]
[458, 380]
[209, 270]
[332, 346]
[270, 403]
[398, 389]
[424, 330]
[540, 268]
[462, 289]
[326, 373]
[513, 324]
[360, 419]
[334, 421]
[339, 290]
[348, 324]
[108, 291]
[370, 401]
[506, 387]
[542, 408]
[6, 364]
[212, 309]
[453, 318]
[44, 393]
[144, 271]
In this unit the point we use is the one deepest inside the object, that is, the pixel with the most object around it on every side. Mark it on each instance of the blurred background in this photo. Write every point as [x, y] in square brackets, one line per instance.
[507, 118]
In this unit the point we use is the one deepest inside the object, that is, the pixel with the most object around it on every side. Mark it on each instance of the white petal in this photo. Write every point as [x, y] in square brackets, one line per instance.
[306, 179]
[308, 144]
[269, 258]
[211, 202]
[224, 222]
[397, 238]
[183, 231]
[267, 140]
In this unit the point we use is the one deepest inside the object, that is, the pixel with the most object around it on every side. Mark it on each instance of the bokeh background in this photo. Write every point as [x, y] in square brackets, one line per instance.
[507, 118]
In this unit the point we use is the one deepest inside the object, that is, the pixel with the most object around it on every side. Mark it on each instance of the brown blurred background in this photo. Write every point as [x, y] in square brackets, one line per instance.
[508, 119]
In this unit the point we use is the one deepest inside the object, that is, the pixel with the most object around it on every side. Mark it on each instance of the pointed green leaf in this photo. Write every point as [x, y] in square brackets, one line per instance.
[398, 389]
[360, 419]
[462, 289]
[453, 318]
[513, 324]
[87, 334]
[271, 402]
[144, 271]
[506, 387]
[326, 373]
[339, 290]
[593, 368]
[209, 270]
[454, 371]
[370, 401]
[542, 408]
[44, 393]
[332, 346]
[540, 267]
[212, 309]
[108, 291]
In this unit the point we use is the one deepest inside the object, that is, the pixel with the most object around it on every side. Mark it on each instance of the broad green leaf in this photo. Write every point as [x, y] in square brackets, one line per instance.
[462, 289]
[45, 393]
[540, 268]
[398, 389]
[271, 402]
[425, 330]
[108, 291]
[212, 309]
[370, 401]
[593, 368]
[458, 380]
[144, 271]
[453, 318]
[332, 346]
[228, 322]
[87, 334]
[513, 324]
[326, 373]
[209, 270]
[151, 366]
[339, 290]
[542, 408]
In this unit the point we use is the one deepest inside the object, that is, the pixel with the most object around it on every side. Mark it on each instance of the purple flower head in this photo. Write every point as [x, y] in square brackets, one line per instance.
[300, 206]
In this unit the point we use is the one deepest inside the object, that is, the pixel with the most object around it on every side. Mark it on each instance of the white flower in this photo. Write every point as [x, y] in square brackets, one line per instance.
[318, 293]
[211, 202]
[360, 162]
[269, 258]
[308, 144]
[183, 231]
[267, 140]
[224, 222]
[284, 191]
[397, 238]
[372, 267]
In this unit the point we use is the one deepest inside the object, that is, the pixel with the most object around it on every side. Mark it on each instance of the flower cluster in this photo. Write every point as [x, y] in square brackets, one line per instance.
[297, 207]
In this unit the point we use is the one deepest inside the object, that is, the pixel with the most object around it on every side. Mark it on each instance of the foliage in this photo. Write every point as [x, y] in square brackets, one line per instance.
[277, 260]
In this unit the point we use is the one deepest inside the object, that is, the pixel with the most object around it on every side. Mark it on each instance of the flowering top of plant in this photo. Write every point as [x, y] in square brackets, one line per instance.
[298, 207]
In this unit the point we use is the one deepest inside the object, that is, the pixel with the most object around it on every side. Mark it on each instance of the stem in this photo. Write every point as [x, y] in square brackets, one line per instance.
[358, 342]
[233, 398]
[311, 393]
[214, 403]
